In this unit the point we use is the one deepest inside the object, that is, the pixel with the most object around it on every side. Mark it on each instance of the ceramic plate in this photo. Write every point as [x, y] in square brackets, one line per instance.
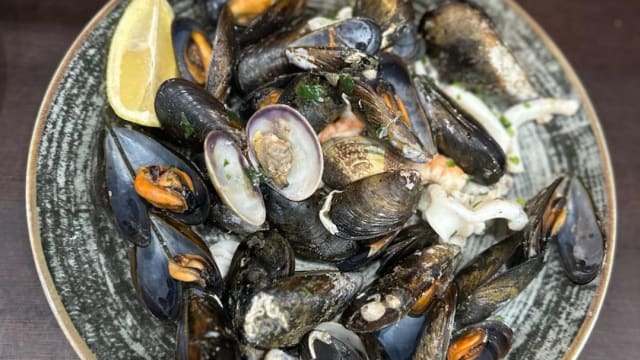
[84, 265]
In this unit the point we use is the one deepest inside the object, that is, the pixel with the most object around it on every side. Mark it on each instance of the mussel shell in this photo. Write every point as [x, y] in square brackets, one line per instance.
[127, 150]
[181, 33]
[394, 71]
[464, 46]
[356, 33]
[402, 287]
[150, 267]
[496, 341]
[203, 330]
[290, 126]
[188, 113]
[367, 253]
[385, 123]
[279, 315]
[399, 340]
[331, 341]
[334, 60]
[434, 340]
[318, 112]
[277, 16]
[372, 207]
[222, 58]
[580, 239]
[501, 289]
[409, 240]
[228, 171]
[299, 223]
[257, 262]
[461, 138]
[484, 266]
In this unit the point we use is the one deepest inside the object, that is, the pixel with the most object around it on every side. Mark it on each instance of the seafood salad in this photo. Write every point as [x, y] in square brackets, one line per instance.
[345, 159]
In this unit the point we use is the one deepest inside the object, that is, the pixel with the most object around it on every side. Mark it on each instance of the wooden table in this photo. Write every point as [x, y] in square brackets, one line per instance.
[600, 38]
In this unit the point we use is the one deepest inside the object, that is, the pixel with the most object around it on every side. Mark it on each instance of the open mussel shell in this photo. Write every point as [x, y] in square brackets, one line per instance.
[435, 337]
[489, 340]
[222, 58]
[315, 98]
[125, 152]
[461, 137]
[300, 224]
[577, 229]
[204, 330]
[229, 172]
[389, 298]
[484, 266]
[372, 207]
[282, 313]
[393, 70]
[408, 240]
[492, 295]
[161, 293]
[192, 49]
[285, 148]
[356, 33]
[330, 341]
[188, 113]
[256, 263]
[464, 46]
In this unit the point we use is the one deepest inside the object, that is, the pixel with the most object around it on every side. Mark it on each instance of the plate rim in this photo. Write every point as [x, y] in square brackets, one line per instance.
[80, 346]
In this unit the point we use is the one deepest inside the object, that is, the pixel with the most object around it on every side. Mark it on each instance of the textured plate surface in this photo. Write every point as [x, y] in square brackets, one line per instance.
[84, 265]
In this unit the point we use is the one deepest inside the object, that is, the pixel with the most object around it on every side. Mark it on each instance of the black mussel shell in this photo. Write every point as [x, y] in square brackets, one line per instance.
[331, 341]
[399, 340]
[188, 113]
[461, 138]
[282, 313]
[434, 340]
[367, 252]
[489, 340]
[333, 60]
[356, 33]
[299, 223]
[218, 79]
[277, 16]
[191, 46]
[372, 207]
[409, 240]
[203, 330]
[127, 150]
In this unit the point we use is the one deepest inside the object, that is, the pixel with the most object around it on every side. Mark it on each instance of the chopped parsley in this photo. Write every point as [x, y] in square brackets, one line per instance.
[187, 128]
[521, 201]
[526, 105]
[515, 160]
[451, 163]
[332, 15]
[314, 93]
[255, 175]
[227, 176]
[225, 163]
[511, 132]
[505, 122]
[346, 84]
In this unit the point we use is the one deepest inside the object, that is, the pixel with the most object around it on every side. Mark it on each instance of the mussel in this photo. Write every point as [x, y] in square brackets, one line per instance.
[331, 341]
[372, 207]
[204, 331]
[192, 49]
[282, 313]
[410, 239]
[126, 152]
[389, 298]
[464, 46]
[460, 137]
[218, 79]
[435, 337]
[279, 14]
[150, 267]
[490, 340]
[188, 113]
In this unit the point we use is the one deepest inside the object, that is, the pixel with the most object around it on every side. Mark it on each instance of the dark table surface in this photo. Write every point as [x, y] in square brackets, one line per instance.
[600, 38]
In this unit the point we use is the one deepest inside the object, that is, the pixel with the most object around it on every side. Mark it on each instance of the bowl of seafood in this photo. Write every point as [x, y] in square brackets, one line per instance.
[304, 179]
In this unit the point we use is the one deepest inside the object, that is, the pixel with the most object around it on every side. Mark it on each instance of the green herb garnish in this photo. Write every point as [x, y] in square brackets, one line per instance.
[227, 176]
[315, 93]
[505, 122]
[187, 128]
[346, 84]
[256, 176]
[514, 160]
[521, 201]
[225, 163]
[526, 105]
[333, 15]
[511, 132]
[451, 163]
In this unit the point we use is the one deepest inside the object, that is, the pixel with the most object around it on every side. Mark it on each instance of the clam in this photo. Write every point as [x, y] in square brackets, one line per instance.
[127, 152]
[285, 148]
[372, 207]
[464, 46]
[229, 172]
[192, 49]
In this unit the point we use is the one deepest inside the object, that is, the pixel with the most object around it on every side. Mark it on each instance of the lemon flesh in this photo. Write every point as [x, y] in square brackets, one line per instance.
[140, 58]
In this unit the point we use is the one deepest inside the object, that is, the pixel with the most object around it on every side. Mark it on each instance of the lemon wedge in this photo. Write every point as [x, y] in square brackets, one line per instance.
[140, 59]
